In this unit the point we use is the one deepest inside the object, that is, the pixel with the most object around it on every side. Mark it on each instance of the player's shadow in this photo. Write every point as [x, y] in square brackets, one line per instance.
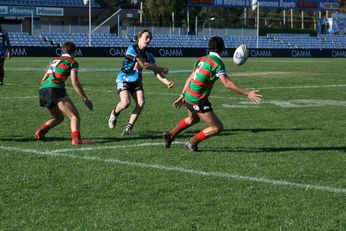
[272, 150]
[32, 139]
[228, 132]
[151, 135]
[157, 135]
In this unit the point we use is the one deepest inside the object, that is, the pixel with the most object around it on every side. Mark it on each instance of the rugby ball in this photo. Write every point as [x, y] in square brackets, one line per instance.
[240, 55]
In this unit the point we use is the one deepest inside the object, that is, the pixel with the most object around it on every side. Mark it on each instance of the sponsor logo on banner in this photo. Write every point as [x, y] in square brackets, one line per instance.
[171, 52]
[17, 51]
[27, 10]
[329, 5]
[301, 53]
[78, 53]
[116, 52]
[338, 53]
[18, 10]
[271, 4]
[225, 53]
[3, 10]
[49, 11]
[261, 53]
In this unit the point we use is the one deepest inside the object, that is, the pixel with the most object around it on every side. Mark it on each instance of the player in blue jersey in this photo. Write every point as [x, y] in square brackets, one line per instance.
[129, 79]
[5, 51]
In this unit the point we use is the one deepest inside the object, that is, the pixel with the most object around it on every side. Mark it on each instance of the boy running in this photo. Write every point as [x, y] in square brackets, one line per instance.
[195, 95]
[53, 94]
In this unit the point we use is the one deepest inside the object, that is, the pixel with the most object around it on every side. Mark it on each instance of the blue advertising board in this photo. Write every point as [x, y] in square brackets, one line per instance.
[271, 4]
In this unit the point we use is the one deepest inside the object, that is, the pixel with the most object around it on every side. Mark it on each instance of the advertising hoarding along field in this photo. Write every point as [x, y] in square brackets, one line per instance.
[271, 4]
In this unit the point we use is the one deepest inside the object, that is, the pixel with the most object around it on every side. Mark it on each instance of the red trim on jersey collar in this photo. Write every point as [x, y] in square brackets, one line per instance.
[68, 57]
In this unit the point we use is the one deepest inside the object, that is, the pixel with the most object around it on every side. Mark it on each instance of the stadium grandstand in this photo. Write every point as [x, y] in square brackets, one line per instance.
[48, 23]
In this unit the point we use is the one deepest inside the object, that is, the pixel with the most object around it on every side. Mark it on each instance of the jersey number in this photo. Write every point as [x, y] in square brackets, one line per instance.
[200, 64]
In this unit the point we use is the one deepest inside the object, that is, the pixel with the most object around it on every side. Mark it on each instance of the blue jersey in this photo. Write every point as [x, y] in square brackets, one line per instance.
[4, 42]
[131, 71]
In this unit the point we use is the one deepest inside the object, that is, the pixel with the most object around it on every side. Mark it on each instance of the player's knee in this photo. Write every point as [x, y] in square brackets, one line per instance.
[141, 104]
[193, 120]
[75, 118]
[218, 128]
[126, 104]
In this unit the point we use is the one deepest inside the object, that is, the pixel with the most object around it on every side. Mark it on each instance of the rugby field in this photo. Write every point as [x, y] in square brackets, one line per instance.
[279, 165]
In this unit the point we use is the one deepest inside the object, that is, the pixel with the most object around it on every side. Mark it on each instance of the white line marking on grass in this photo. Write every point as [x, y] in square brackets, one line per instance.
[30, 151]
[176, 169]
[302, 87]
[18, 97]
[290, 103]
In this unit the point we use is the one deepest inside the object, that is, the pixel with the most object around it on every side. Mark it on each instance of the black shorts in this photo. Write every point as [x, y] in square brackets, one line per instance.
[199, 108]
[131, 87]
[50, 96]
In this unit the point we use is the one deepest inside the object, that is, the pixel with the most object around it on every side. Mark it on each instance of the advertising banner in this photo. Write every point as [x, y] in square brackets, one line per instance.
[28, 11]
[272, 4]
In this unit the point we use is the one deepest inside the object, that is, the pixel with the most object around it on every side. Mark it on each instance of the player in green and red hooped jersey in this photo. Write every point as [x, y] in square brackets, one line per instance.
[195, 94]
[53, 94]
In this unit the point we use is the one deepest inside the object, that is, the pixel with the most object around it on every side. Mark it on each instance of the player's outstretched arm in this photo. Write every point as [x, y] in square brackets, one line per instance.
[253, 96]
[151, 66]
[180, 101]
[160, 76]
[78, 88]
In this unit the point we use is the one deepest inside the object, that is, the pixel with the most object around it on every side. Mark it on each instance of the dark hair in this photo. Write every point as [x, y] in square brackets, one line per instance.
[68, 47]
[139, 34]
[216, 44]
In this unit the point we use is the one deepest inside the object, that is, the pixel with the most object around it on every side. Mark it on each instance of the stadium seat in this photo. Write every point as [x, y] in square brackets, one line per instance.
[271, 41]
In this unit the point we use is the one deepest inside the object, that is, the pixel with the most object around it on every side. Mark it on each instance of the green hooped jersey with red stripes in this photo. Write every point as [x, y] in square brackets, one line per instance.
[207, 70]
[58, 71]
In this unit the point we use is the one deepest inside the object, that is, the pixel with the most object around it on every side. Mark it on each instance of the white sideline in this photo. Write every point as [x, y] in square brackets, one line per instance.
[58, 153]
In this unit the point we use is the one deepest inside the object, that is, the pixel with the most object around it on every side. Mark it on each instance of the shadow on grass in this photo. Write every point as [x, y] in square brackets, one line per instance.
[32, 139]
[272, 150]
[157, 135]
[151, 135]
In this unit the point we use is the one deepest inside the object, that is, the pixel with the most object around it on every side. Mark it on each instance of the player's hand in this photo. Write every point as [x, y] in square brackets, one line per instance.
[170, 84]
[89, 104]
[254, 96]
[165, 71]
[179, 102]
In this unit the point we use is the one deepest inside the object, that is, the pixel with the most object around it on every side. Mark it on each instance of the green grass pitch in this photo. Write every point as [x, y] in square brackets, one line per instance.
[279, 165]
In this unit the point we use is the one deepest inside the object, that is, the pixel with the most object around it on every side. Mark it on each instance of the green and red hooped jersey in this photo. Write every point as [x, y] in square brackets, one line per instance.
[58, 71]
[207, 70]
